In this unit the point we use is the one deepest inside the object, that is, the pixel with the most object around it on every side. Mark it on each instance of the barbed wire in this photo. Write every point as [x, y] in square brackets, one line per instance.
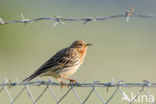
[144, 86]
[62, 20]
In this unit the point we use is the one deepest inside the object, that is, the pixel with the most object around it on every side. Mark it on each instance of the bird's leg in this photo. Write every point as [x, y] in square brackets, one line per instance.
[71, 80]
[61, 82]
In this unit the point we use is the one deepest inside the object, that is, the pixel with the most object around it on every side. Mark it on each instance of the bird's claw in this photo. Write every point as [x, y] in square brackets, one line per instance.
[73, 81]
[62, 84]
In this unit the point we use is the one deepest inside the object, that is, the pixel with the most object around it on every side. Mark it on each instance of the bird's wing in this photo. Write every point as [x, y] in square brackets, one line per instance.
[65, 58]
[62, 59]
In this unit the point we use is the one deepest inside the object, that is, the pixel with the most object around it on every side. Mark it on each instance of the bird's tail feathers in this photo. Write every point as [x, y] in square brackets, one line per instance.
[30, 77]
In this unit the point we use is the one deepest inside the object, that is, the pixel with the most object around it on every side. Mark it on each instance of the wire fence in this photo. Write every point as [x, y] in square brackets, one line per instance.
[119, 85]
[61, 20]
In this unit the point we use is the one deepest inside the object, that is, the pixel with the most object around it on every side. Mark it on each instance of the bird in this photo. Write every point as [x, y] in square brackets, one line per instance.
[64, 63]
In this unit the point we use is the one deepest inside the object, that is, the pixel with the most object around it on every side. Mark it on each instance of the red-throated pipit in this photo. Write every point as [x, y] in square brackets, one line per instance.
[64, 63]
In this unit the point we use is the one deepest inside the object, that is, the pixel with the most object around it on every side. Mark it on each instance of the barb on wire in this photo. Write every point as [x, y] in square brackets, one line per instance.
[86, 20]
[129, 13]
[58, 19]
[25, 21]
[1, 21]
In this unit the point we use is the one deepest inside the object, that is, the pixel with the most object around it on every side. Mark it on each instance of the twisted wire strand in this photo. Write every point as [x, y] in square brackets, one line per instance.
[61, 20]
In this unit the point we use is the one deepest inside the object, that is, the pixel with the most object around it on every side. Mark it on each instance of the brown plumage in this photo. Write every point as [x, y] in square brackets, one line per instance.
[64, 63]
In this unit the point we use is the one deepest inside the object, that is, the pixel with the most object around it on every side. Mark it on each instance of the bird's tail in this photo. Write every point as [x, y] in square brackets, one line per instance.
[30, 77]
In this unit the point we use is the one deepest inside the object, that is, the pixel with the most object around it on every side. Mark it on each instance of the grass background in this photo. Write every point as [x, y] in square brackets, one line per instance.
[121, 50]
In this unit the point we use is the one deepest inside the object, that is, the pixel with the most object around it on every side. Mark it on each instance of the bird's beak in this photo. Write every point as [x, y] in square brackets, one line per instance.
[89, 44]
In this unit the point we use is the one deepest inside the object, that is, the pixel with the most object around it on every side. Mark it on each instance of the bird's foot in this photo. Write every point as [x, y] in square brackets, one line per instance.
[73, 81]
[62, 84]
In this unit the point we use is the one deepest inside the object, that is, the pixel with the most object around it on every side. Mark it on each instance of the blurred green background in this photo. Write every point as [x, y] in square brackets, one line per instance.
[121, 50]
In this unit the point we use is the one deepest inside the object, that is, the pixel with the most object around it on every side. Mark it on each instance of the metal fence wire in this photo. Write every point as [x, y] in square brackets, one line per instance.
[61, 20]
[6, 86]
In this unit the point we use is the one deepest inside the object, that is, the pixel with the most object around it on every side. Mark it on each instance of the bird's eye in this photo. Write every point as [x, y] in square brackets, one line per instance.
[80, 45]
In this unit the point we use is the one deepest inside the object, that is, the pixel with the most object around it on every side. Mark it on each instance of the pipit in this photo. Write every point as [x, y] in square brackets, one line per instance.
[64, 63]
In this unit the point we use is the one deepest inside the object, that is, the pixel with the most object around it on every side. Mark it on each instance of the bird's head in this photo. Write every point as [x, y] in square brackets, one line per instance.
[80, 45]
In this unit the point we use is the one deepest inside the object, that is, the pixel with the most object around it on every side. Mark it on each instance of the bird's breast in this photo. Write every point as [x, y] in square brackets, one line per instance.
[82, 55]
[69, 70]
